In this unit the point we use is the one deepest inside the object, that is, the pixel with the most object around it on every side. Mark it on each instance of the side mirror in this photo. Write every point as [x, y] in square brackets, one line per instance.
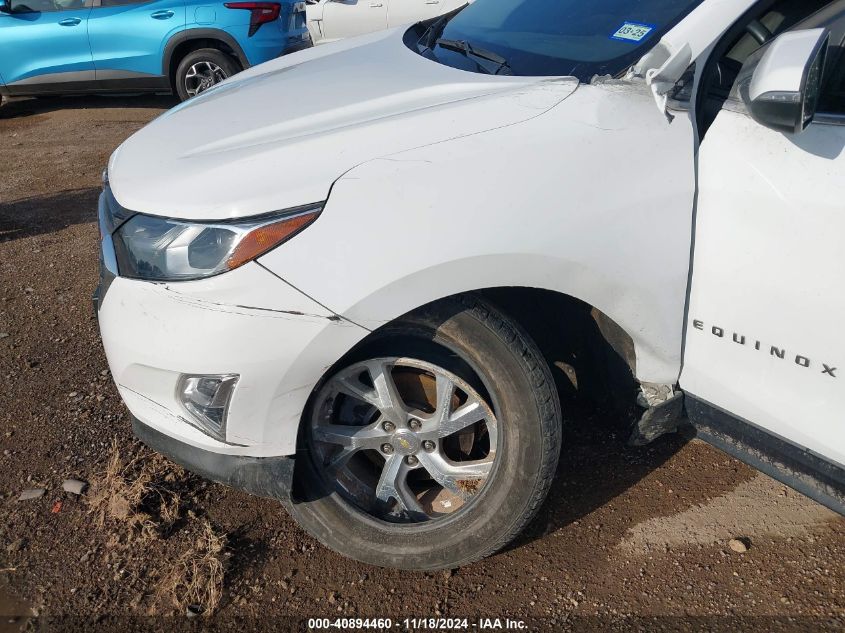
[783, 91]
[5, 6]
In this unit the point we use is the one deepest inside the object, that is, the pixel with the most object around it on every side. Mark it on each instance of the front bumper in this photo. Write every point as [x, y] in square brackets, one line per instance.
[246, 322]
[270, 477]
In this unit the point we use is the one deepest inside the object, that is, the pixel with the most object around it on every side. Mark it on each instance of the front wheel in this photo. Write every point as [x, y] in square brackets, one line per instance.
[434, 444]
[202, 69]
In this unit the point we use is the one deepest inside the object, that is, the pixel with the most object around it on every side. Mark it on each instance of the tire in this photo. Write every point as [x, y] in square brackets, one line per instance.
[202, 69]
[485, 354]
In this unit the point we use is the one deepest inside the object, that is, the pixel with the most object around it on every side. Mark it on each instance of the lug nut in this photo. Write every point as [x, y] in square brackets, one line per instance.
[387, 449]
[429, 445]
[389, 427]
[415, 425]
[411, 460]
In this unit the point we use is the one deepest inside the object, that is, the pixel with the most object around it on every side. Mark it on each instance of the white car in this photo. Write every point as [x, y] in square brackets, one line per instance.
[330, 20]
[357, 302]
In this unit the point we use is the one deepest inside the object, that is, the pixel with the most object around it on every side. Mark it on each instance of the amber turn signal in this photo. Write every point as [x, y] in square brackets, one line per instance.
[261, 239]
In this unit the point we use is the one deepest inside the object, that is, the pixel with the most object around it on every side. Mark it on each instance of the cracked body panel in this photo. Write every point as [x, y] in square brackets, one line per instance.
[247, 322]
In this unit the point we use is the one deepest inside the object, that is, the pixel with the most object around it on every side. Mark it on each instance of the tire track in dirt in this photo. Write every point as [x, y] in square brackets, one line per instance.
[759, 507]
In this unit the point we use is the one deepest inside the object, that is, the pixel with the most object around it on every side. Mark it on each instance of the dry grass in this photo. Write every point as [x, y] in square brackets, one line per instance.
[134, 491]
[196, 580]
[137, 495]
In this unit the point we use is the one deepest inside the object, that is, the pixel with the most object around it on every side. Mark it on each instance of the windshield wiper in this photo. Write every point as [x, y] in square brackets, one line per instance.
[462, 46]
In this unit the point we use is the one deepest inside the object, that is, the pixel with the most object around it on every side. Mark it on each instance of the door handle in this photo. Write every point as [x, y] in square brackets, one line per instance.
[162, 15]
[376, 5]
[432, 1]
[70, 21]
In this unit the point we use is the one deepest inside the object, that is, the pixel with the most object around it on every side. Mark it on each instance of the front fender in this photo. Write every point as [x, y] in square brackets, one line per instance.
[503, 270]
[592, 199]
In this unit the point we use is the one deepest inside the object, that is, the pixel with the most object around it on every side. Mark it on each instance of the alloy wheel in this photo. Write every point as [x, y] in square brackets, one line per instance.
[403, 439]
[201, 76]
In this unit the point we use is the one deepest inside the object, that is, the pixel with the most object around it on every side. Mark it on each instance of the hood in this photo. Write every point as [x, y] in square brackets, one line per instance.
[278, 135]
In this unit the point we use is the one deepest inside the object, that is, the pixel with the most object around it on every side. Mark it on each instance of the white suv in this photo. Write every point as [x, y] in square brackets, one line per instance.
[330, 20]
[346, 279]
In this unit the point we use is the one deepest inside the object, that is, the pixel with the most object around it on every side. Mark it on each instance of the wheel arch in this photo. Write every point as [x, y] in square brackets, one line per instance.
[650, 324]
[194, 39]
[592, 359]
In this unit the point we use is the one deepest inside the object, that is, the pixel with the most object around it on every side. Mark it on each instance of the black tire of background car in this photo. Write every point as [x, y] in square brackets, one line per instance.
[521, 392]
[226, 63]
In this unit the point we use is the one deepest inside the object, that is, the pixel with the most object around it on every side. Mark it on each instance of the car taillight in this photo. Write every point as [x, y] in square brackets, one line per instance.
[260, 12]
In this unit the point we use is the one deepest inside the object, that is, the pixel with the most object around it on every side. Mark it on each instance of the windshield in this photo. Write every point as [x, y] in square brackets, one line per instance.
[552, 37]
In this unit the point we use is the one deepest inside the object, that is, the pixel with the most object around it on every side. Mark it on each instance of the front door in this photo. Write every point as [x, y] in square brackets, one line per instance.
[128, 38]
[346, 18]
[764, 337]
[410, 11]
[44, 46]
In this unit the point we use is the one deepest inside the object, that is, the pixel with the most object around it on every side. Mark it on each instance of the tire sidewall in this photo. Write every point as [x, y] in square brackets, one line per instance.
[525, 442]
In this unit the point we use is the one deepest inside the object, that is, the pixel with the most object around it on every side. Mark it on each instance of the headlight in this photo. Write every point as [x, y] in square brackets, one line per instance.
[160, 249]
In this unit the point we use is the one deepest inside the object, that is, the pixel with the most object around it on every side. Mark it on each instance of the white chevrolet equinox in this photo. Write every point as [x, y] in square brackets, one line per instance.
[357, 279]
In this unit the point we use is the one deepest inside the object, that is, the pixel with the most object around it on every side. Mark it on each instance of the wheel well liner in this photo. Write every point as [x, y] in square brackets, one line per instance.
[592, 358]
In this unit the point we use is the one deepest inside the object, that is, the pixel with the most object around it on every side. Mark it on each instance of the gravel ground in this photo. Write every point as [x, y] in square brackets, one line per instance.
[629, 538]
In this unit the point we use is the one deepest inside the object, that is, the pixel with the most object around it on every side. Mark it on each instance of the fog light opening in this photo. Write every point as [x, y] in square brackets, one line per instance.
[206, 400]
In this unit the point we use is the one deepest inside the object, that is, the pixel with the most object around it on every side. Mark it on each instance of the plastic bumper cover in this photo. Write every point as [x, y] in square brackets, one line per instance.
[246, 322]
[263, 476]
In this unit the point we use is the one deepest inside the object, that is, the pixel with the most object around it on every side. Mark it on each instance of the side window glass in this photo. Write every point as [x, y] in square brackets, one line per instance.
[743, 40]
[33, 6]
[782, 16]
[120, 3]
[45, 6]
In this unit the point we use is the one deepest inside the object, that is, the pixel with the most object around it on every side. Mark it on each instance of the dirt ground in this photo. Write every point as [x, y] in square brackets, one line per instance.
[628, 539]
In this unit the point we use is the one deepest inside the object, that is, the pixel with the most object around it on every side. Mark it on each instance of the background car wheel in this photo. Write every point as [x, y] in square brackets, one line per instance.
[201, 70]
[433, 444]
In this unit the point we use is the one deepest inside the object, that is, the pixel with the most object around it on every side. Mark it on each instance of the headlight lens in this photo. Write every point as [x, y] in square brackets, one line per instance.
[160, 249]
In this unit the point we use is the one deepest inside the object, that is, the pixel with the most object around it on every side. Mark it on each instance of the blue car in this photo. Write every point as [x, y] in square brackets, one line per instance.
[50, 47]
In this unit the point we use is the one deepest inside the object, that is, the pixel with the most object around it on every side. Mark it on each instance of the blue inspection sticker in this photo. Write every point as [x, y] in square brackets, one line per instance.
[632, 32]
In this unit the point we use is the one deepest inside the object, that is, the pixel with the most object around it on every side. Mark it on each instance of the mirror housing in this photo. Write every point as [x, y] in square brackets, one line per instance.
[785, 83]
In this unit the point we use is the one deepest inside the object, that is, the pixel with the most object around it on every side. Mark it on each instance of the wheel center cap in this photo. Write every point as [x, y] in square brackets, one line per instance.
[406, 442]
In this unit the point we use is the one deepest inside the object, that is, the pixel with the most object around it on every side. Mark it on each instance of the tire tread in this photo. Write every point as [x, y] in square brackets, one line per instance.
[550, 415]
